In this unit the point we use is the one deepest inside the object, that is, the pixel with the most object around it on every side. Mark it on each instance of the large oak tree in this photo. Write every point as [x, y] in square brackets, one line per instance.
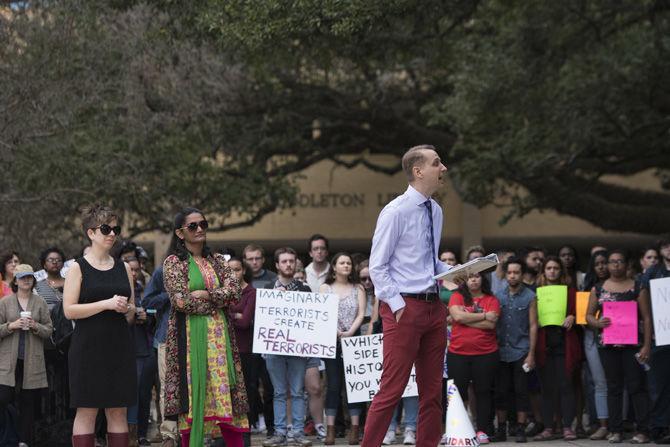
[220, 103]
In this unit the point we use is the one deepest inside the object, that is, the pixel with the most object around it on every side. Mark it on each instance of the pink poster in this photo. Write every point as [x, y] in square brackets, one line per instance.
[623, 330]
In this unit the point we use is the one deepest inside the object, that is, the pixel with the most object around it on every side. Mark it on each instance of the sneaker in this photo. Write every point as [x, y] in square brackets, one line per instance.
[309, 429]
[389, 438]
[320, 432]
[444, 439]
[300, 440]
[520, 434]
[275, 441]
[410, 438]
[144, 442]
[533, 428]
[482, 437]
[500, 434]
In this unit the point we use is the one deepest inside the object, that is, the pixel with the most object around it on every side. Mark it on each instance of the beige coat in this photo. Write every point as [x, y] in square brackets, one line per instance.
[34, 370]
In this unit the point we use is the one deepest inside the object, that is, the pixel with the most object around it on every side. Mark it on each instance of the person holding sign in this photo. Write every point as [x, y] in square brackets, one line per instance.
[351, 310]
[596, 273]
[619, 361]
[403, 262]
[473, 351]
[287, 373]
[517, 334]
[204, 384]
[558, 352]
[660, 355]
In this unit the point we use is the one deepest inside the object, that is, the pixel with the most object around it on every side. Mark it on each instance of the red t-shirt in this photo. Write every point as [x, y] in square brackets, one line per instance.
[466, 340]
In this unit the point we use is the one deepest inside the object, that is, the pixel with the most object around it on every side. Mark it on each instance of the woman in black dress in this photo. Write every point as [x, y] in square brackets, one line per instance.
[98, 295]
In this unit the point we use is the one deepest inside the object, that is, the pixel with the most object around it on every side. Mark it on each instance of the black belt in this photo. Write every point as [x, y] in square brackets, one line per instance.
[428, 296]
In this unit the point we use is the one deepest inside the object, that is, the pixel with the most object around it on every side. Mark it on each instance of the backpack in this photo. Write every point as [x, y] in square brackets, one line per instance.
[60, 337]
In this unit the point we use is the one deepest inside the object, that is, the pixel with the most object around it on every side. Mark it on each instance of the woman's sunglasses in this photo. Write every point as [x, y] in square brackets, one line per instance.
[106, 229]
[193, 226]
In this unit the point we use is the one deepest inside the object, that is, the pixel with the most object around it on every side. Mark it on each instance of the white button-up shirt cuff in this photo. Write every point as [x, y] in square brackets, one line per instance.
[396, 303]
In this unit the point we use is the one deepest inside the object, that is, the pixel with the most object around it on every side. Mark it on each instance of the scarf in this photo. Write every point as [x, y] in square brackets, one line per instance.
[198, 352]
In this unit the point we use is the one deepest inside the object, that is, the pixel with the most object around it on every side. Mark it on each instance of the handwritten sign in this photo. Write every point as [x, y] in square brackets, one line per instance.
[363, 363]
[300, 324]
[582, 304]
[623, 330]
[552, 302]
[660, 307]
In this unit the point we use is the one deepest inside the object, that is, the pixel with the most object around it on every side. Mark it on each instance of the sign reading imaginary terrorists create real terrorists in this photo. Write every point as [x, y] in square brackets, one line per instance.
[301, 324]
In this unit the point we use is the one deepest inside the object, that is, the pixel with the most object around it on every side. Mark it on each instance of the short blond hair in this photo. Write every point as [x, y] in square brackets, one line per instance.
[413, 157]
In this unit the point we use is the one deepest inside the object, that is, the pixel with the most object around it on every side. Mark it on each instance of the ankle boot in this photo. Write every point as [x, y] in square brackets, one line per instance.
[353, 435]
[83, 440]
[132, 436]
[117, 439]
[330, 435]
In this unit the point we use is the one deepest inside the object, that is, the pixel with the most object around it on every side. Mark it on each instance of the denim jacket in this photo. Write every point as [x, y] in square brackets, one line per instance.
[513, 324]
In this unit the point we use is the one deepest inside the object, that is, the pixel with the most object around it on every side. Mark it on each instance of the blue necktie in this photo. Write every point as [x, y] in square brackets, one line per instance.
[431, 237]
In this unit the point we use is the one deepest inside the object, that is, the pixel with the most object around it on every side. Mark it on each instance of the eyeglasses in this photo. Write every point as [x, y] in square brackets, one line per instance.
[616, 262]
[193, 226]
[107, 229]
[53, 261]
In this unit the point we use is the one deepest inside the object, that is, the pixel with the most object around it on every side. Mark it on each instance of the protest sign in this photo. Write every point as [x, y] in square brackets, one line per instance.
[363, 358]
[582, 304]
[623, 329]
[301, 324]
[660, 307]
[458, 427]
[552, 302]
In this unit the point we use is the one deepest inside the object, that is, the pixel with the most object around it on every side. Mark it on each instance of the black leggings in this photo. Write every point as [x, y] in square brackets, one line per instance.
[557, 386]
[26, 400]
[621, 369]
[481, 370]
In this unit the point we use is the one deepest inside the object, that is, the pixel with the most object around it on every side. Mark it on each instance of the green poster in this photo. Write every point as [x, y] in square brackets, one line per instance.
[552, 302]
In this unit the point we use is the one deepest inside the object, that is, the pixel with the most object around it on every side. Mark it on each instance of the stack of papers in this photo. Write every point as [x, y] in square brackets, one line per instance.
[477, 265]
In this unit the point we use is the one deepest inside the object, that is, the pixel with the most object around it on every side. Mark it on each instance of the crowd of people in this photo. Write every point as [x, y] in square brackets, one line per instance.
[112, 336]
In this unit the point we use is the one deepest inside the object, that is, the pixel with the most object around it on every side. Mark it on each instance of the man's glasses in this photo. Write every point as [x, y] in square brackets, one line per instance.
[193, 226]
[107, 229]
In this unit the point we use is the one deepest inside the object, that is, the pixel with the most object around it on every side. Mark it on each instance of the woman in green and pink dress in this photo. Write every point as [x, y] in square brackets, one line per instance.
[204, 385]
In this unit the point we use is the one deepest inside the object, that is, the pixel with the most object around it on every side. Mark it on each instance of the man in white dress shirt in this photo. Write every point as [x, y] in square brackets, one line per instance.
[403, 261]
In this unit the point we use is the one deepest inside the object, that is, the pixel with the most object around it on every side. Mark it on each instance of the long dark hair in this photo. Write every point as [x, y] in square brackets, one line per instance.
[352, 278]
[4, 259]
[465, 291]
[563, 278]
[591, 278]
[246, 271]
[178, 246]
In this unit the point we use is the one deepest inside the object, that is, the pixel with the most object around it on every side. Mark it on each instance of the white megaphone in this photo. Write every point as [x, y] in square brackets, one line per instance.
[458, 431]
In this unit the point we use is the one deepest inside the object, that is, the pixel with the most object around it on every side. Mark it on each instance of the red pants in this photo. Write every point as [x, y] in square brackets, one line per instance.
[420, 339]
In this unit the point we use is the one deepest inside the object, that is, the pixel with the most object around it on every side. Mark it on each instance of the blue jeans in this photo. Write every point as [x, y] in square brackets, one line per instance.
[139, 413]
[411, 406]
[597, 374]
[286, 370]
